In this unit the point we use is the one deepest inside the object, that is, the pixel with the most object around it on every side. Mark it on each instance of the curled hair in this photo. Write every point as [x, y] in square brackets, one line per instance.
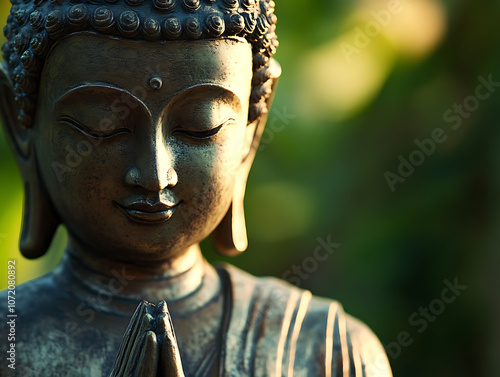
[33, 26]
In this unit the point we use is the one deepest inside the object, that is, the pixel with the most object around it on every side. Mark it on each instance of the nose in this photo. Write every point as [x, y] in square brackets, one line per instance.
[153, 168]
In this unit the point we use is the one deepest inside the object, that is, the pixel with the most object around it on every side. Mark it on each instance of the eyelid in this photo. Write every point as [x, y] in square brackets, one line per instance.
[205, 134]
[89, 131]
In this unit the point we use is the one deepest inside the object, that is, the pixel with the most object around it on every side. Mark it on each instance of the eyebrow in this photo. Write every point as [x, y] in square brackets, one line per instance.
[187, 89]
[100, 85]
[169, 101]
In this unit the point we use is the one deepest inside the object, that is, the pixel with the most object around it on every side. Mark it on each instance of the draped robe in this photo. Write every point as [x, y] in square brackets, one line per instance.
[277, 329]
[274, 329]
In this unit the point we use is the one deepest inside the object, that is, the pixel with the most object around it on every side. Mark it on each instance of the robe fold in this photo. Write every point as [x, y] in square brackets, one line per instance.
[277, 329]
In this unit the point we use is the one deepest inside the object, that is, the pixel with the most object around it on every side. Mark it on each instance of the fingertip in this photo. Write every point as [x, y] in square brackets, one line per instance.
[162, 307]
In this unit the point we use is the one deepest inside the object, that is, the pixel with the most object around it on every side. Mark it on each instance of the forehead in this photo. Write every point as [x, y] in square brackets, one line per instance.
[89, 59]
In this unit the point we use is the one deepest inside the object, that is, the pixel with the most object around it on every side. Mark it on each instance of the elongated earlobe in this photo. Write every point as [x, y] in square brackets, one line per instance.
[230, 237]
[40, 220]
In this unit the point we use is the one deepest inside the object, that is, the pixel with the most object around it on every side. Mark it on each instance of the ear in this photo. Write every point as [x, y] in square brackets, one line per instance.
[230, 237]
[17, 135]
[39, 218]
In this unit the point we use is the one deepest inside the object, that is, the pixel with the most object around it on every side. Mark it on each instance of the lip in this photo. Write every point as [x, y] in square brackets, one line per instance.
[145, 213]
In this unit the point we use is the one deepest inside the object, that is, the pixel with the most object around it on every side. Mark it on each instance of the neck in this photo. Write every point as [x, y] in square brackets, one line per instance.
[142, 270]
[174, 281]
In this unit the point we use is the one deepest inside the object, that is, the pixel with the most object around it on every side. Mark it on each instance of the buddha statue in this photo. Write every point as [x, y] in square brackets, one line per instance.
[134, 124]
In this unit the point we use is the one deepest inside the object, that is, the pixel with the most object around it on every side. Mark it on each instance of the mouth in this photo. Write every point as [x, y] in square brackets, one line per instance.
[145, 213]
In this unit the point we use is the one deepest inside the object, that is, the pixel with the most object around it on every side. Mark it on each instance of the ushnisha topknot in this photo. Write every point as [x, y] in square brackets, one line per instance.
[33, 26]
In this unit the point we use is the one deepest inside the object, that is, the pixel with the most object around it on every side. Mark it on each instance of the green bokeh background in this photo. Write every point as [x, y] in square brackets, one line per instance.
[340, 122]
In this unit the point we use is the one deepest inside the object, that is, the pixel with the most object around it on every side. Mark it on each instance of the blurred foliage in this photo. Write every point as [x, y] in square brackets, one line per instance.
[340, 121]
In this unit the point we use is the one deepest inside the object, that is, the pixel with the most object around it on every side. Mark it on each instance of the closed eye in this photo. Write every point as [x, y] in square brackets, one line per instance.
[93, 132]
[202, 135]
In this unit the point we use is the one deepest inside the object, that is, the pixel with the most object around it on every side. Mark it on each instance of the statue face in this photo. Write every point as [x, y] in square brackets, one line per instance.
[139, 143]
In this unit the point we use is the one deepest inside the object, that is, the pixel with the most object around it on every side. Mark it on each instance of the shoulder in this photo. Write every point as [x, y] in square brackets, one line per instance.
[32, 317]
[31, 297]
[368, 353]
[29, 306]
[25, 295]
[292, 328]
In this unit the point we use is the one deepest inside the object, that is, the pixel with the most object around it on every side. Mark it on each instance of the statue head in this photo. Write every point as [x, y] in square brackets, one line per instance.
[135, 122]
